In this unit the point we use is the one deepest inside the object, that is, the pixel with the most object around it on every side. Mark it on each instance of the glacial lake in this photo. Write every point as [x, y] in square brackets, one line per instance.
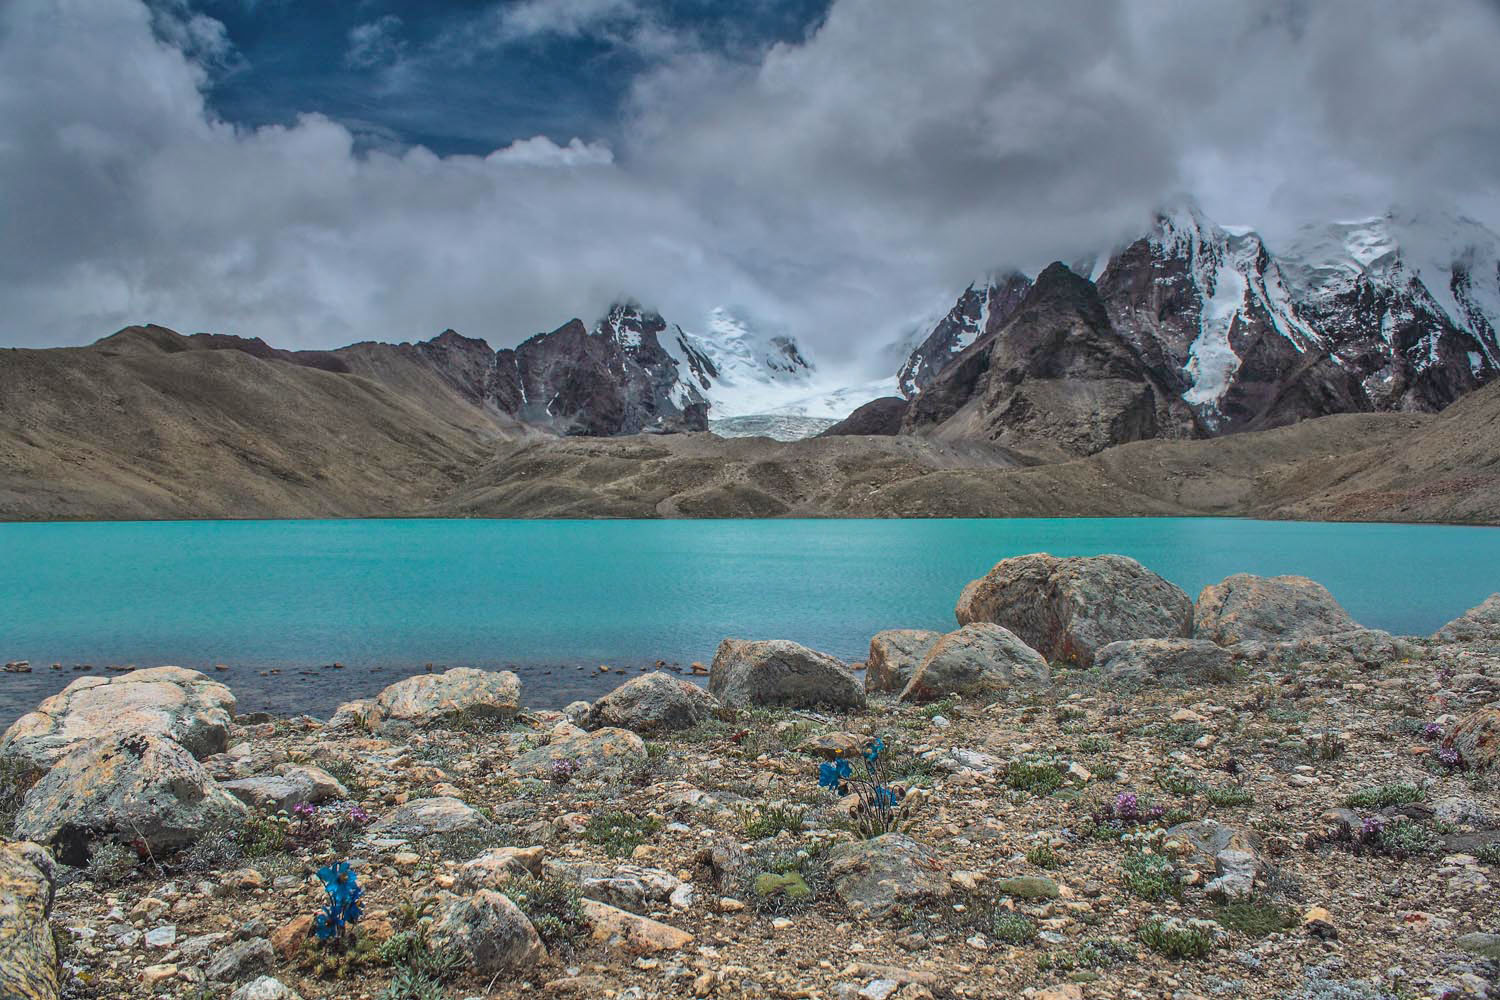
[554, 600]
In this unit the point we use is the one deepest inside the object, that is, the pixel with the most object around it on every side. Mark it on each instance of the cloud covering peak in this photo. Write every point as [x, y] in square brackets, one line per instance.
[834, 188]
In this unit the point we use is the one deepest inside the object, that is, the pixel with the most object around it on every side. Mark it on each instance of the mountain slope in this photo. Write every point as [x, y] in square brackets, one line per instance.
[151, 424]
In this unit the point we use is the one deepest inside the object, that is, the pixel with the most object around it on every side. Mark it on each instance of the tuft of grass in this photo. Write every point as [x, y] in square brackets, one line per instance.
[1230, 795]
[16, 779]
[769, 819]
[1383, 796]
[1044, 856]
[1095, 743]
[1174, 938]
[1177, 783]
[1036, 777]
[1150, 876]
[347, 774]
[619, 832]
[112, 863]
[1327, 745]
[262, 836]
[1404, 838]
[1176, 732]
[553, 908]
[1255, 918]
[1012, 928]
[1489, 853]
[1106, 770]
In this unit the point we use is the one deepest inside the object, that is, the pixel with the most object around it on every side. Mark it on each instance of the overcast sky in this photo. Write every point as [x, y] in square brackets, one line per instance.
[382, 170]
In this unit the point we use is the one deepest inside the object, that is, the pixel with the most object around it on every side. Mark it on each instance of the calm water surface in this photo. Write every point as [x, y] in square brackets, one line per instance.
[548, 597]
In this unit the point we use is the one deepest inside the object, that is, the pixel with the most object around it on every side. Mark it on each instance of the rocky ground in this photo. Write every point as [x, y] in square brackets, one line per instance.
[1138, 797]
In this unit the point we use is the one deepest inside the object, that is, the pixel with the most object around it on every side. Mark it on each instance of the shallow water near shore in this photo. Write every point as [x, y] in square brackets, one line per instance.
[546, 598]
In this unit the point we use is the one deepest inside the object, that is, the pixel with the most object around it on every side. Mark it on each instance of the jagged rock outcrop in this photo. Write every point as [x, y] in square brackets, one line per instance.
[28, 953]
[982, 309]
[1054, 379]
[881, 416]
[614, 379]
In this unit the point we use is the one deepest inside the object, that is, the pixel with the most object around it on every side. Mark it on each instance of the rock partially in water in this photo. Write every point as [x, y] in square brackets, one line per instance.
[424, 700]
[1478, 624]
[489, 930]
[583, 755]
[143, 788]
[1068, 609]
[291, 785]
[179, 704]
[1137, 662]
[979, 660]
[28, 955]
[783, 673]
[1244, 607]
[894, 656]
[652, 703]
[874, 876]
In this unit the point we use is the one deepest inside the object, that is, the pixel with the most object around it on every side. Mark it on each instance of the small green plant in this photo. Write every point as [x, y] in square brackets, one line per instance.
[1255, 918]
[347, 774]
[1327, 745]
[1230, 795]
[1383, 796]
[16, 779]
[943, 706]
[620, 832]
[1044, 856]
[1039, 777]
[769, 819]
[1489, 853]
[1069, 713]
[1095, 743]
[1402, 838]
[553, 908]
[1175, 938]
[409, 984]
[112, 863]
[1106, 770]
[261, 836]
[1012, 928]
[1178, 783]
[1149, 876]
[1176, 732]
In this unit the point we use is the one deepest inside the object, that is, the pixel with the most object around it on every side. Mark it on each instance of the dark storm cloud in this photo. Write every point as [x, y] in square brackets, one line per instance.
[837, 187]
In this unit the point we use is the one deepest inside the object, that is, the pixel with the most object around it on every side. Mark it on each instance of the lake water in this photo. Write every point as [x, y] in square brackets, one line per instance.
[549, 597]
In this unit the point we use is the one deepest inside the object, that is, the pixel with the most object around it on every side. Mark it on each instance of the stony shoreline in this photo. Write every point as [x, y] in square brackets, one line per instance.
[1098, 786]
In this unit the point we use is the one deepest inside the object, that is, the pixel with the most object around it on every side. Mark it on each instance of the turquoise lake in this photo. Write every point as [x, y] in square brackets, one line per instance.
[550, 597]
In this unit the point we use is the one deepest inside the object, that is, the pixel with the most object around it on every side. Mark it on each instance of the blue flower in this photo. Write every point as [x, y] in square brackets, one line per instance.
[876, 748]
[830, 775]
[343, 907]
[885, 798]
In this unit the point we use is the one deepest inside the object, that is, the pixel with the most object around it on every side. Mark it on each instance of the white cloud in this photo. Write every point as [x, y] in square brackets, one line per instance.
[833, 188]
[570, 18]
[375, 43]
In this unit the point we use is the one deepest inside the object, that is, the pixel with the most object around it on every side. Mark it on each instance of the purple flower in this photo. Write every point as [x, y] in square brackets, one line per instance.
[1450, 757]
[1371, 826]
[1432, 731]
[1126, 805]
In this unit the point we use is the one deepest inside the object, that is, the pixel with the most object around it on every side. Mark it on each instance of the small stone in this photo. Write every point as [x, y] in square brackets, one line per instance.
[879, 989]
[728, 904]
[1028, 887]
[153, 974]
[161, 937]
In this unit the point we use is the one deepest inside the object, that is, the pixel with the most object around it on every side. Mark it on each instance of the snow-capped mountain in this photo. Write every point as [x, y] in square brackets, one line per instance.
[1398, 312]
[743, 372]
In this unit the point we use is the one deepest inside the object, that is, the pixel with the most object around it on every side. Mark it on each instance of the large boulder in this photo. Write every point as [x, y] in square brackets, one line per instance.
[874, 876]
[133, 788]
[291, 785]
[574, 753]
[621, 930]
[894, 656]
[780, 672]
[979, 660]
[424, 700]
[1476, 737]
[1138, 662]
[1268, 609]
[1067, 609]
[489, 930]
[1481, 623]
[432, 817]
[652, 703]
[182, 705]
[28, 955]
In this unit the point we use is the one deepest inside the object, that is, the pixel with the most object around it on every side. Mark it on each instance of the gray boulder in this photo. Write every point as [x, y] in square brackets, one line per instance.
[1270, 609]
[29, 969]
[629, 887]
[265, 988]
[1138, 662]
[1067, 609]
[441, 814]
[979, 660]
[434, 700]
[143, 787]
[1481, 623]
[489, 930]
[780, 672]
[606, 752]
[291, 785]
[894, 656]
[652, 703]
[240, 959]
[181, 705]
[874, 876]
